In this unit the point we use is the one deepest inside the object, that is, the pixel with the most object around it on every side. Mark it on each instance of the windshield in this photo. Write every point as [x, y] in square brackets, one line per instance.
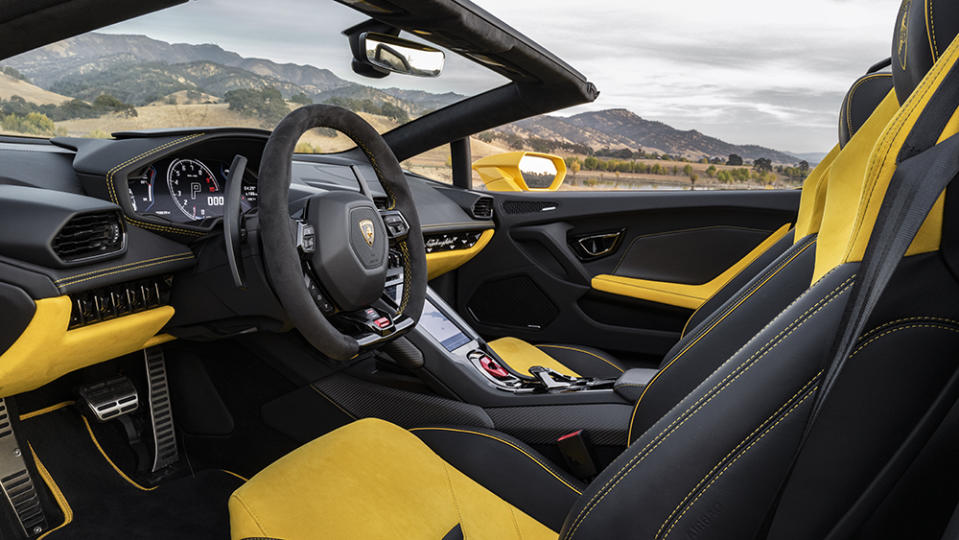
[217, 63]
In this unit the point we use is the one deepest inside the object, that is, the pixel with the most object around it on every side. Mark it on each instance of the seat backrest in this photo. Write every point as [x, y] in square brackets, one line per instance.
[787, 272]
[712, 466]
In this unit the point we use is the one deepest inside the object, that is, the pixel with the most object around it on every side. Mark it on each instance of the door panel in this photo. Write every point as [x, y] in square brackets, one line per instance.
[534, 283]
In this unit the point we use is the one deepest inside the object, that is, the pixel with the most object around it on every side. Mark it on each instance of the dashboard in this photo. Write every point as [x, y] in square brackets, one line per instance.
[184, 189]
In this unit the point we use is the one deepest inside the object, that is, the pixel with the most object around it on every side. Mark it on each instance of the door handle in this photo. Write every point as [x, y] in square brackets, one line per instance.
[594, 246]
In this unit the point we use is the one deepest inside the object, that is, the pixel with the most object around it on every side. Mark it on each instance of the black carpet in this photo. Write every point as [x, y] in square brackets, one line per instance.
[106, 506]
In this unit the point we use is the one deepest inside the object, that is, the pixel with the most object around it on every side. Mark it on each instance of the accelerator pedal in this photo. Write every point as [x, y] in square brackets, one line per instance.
[16, 482]
[161, 413]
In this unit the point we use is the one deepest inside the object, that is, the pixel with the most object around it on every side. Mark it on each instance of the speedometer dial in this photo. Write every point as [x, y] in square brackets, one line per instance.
[195, 189]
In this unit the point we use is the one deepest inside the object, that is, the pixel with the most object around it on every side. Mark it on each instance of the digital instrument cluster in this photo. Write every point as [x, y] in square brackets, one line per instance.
[187, 190]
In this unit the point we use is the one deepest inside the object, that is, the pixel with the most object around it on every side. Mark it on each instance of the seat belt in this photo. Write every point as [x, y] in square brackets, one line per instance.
[913, 191]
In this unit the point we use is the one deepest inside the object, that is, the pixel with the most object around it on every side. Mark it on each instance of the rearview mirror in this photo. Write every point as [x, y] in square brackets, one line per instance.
[398, 55]
[521, 171]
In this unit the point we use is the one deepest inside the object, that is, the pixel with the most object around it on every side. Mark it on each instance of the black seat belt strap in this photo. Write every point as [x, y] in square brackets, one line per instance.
[913, 191]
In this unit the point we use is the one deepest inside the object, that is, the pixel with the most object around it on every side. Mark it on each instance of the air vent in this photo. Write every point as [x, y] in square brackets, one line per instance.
[90, 236]
[483, 208]
[529, 207]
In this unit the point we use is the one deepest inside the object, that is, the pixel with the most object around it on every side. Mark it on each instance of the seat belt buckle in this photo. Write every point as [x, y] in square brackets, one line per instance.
[577, 454]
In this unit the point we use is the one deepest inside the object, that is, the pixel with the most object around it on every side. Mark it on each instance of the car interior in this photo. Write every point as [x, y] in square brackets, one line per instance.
[337, 347]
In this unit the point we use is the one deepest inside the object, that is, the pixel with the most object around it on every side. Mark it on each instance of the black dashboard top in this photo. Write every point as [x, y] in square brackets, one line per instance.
[169, 187]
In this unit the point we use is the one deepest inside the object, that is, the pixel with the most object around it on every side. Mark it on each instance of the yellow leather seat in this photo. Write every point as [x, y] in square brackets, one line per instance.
[372, 479]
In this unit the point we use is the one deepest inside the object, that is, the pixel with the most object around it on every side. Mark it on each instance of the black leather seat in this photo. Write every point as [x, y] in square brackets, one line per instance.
[714, 464]
[862, 99]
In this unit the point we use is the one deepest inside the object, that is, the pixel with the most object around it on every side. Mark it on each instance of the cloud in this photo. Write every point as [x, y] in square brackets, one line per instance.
[747, 71]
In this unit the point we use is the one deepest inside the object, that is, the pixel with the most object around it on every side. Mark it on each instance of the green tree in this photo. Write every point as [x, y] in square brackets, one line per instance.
[734, 160]
[301, 99]
[711, 171]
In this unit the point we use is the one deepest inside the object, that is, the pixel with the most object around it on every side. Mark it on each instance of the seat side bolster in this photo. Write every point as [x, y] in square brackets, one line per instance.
[533, 484]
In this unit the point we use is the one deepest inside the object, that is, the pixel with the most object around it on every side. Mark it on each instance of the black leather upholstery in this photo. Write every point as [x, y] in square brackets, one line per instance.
[587, 361]
[724, 332]
[860, 102]
[507, 467]
[738, 282]
[924, 29]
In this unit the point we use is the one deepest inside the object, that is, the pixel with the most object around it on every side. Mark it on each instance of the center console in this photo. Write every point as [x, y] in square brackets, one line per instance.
[459, 359]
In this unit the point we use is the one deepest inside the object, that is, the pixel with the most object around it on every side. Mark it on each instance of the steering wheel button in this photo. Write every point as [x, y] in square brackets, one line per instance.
[383, 323]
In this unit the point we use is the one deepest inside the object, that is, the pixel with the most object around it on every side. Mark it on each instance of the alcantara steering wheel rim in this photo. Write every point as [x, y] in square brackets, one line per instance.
[282, 258]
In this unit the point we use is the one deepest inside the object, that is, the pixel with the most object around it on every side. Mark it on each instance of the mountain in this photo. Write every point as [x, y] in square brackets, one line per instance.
[139, 70]
[140, 84]
[12, 86]
[618, 128]
[812, 157]
[96, 52]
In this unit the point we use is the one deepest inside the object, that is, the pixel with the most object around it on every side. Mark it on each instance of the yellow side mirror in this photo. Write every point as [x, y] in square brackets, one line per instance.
[521, 171]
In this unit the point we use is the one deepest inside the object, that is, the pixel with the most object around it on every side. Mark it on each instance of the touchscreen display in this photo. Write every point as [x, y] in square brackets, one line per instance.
[442, 329]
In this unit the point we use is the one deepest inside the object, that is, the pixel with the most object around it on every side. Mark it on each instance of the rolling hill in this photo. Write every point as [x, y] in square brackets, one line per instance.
[140, 70]
[621, 128]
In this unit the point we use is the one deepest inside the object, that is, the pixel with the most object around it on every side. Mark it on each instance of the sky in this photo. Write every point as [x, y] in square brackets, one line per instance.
[768, 72]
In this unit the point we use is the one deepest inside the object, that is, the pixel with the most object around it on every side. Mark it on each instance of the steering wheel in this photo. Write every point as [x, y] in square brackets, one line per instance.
[328, 266]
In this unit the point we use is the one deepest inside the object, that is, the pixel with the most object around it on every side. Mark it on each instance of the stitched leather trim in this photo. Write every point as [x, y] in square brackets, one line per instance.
[632, 418]
[704, 400]
[112, 188]
[104, 272]
[568, 348]
[852, 92]
[735, 459]
[736, 448]
[507, 443]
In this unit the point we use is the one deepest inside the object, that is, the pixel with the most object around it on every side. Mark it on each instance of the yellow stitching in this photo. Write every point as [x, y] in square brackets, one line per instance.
[852, 92]
[513, 446]
[735, 448]
[584, 352]
[112, 193]
[249, 511]
[407, 278]
[335, 404]
[931, 22]
[892, 131]
[68, 278]
[730, 464]
[906, 319]
[887, 332]
[629, 433]
[98, 276]
[699, 404]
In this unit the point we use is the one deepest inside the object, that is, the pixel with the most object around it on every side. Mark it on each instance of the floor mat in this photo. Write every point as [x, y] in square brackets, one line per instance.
[103, 503]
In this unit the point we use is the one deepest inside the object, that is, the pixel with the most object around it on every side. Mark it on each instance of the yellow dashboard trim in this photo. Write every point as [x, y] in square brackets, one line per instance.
[682, 294]
[47, 350]
[442, 262]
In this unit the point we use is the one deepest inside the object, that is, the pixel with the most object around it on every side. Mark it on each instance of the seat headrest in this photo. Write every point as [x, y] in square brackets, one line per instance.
[924, 29]
[860, 102]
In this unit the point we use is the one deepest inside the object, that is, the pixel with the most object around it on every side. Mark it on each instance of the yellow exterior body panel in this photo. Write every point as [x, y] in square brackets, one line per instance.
[47, 350]
[681, 294]
[521, 356]
[501, 172]
[442, 262]
[372, 479]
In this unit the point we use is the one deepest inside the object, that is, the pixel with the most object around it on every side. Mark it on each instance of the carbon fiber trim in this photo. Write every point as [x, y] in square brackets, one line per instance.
[406, 409]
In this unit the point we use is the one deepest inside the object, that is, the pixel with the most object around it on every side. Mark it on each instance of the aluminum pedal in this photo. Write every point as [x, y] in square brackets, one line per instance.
[165, 451]
[110, 399]
[15, 480]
